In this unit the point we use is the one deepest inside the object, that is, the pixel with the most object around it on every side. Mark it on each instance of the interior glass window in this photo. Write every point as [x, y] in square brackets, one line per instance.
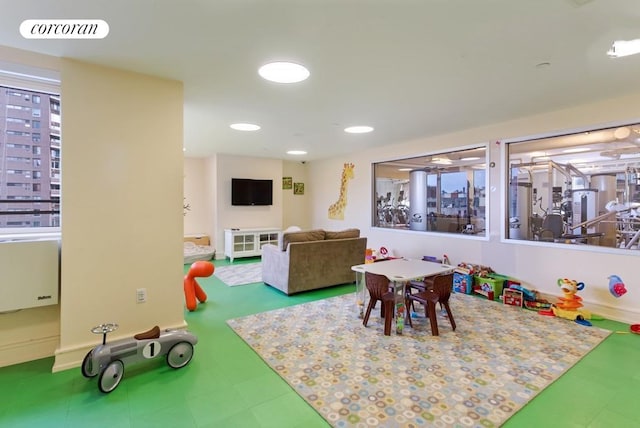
[581, 188]
[442, 192]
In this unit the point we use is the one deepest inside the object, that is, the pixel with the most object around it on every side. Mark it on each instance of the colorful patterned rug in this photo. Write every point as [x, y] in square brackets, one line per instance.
[497, 360]
[240, 274]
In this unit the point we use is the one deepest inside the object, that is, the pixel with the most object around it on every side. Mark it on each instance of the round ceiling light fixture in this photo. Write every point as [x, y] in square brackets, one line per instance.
[283, 72]
[358, 129]
[244, 126]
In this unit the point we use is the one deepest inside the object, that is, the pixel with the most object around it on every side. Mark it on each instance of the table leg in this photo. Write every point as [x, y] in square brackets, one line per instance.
[398, 291]
[360, 294]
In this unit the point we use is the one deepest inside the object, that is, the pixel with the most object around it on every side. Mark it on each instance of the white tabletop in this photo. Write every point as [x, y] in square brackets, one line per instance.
[403, 269]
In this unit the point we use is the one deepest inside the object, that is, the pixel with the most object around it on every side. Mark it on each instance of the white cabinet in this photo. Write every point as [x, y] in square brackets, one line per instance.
[248, 242]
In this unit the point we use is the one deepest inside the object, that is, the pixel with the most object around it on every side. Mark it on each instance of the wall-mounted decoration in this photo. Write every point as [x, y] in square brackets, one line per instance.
[287, 183]
[336, 210]
[298, 188]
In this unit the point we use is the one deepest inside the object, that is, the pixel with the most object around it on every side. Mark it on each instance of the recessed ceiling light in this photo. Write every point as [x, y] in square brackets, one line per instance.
[405, 169]
[358, 129]
[296, 152]
[470, 158]
[283, 72]
[441, 161]
[622, 48]
[244, 126]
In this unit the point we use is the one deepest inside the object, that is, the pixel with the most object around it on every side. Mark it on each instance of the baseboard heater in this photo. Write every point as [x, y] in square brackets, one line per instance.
[29, 273]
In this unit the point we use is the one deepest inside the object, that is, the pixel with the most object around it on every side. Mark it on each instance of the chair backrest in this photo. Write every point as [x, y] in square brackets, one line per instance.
[376, 284]
[443, 284]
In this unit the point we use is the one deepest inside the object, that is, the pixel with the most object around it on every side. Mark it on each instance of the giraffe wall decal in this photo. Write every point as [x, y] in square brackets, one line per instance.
[336, 210]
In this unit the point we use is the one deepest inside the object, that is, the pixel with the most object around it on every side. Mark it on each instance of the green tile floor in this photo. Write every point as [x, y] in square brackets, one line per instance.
[227, 385]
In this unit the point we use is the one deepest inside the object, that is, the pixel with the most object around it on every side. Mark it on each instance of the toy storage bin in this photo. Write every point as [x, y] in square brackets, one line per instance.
[511, 281]
[488, 286]
[462, 282]
[505, 281]
[512, 297]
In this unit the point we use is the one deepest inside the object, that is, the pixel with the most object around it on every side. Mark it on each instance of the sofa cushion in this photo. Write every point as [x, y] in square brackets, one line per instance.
[341, 234]
[302, 236]
[281, 234]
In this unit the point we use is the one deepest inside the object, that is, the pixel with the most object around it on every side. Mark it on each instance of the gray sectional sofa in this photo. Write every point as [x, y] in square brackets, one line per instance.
[307, 260]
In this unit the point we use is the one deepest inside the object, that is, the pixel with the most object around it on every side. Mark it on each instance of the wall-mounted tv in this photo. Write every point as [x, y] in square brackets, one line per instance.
[247, 191]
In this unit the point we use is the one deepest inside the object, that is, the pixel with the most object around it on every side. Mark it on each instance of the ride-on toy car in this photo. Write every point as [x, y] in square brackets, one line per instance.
[108, 359]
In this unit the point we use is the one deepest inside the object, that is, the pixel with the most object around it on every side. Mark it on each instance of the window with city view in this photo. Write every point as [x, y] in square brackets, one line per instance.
[442, 192]
[30, 143]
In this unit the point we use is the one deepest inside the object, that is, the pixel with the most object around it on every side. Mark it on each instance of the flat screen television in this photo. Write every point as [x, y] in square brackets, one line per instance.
[247, 191]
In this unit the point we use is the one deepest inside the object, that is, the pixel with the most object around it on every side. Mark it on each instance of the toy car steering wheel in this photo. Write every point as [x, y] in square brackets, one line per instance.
[103, 329]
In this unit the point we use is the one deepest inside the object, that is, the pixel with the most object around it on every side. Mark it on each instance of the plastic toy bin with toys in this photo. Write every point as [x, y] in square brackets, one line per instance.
[489, 286]
[462, 282]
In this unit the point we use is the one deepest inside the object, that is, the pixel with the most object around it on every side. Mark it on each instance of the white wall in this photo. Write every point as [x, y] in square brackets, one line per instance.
[122, 196]
[207, 187]
[198, 219]
[324, 182]
[228, 216]
[538, 265]
[296, 210]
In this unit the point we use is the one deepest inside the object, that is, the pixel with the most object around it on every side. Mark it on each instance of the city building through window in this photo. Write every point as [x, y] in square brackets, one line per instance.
[29, 161]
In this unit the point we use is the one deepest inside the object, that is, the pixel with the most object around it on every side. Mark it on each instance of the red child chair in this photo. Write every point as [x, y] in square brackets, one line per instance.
[192, 289]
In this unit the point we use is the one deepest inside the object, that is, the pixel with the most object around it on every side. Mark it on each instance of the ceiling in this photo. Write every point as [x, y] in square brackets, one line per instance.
[409, 68]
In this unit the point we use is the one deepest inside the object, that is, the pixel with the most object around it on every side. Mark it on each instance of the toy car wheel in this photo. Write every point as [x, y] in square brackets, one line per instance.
[179, 355]
[87, 366]
[111, 376]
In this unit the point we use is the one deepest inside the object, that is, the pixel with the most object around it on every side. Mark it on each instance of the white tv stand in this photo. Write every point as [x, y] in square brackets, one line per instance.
[248, 242]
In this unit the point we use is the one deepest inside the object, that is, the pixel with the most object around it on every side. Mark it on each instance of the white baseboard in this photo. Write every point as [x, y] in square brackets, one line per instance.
[605, 311]
[30, 350]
